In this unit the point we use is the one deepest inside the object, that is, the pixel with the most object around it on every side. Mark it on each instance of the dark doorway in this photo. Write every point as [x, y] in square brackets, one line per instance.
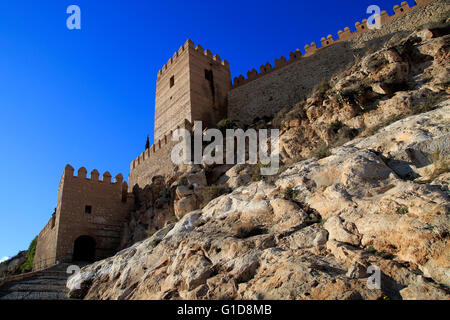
[84, 249]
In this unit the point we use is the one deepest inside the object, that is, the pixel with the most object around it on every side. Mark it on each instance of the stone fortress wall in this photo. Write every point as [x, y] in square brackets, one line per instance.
[156, 160]
[289, 81]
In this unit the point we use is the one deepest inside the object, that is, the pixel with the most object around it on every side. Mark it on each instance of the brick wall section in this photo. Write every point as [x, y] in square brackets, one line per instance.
[110, 205]
[289, 81]
[172, 105]
[46, 246]
[154, 161]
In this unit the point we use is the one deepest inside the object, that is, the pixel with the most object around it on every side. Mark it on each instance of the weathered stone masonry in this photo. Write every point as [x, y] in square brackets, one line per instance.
[156, 160]
[193, 85]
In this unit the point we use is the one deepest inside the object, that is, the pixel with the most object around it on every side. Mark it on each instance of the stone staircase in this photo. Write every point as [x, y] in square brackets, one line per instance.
[48, 284]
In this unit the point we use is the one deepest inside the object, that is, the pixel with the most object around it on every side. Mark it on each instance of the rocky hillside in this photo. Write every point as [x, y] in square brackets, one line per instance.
[364, 183]
[12, 265]
[401, 79]
[311, 235]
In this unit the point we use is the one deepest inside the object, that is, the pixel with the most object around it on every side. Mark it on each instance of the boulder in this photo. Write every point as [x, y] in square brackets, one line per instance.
[185, 205]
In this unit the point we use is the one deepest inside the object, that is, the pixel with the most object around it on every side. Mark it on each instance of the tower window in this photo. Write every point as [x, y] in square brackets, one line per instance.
[208, 75]
[172, 81]
[88, 209]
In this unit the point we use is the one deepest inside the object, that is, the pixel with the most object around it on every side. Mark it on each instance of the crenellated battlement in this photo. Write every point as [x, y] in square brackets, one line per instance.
[190, 46]
[192, 85]
[152, 152]
[86, 207]
[360, 27]
[94, 176]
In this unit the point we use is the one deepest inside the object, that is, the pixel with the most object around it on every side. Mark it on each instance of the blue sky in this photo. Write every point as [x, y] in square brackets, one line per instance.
[86, 97]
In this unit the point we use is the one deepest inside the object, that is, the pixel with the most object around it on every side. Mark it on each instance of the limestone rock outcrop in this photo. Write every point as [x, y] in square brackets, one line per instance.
[402, 79]
[153, 211]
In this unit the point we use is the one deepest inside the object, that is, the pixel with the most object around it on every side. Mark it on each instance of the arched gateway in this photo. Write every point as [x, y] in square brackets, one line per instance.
[84, 249]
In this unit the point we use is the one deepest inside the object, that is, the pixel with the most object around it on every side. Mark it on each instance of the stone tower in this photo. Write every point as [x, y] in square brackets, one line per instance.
[87, 222]
[193, 85]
